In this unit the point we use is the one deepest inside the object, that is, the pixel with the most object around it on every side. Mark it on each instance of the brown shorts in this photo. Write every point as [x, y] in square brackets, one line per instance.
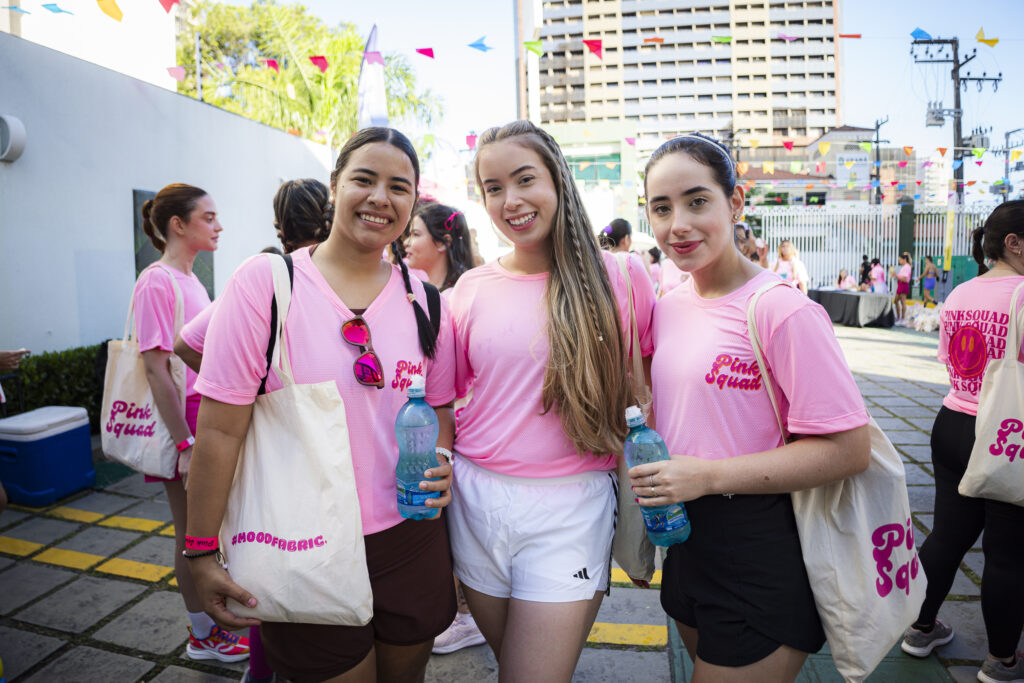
[413, 601]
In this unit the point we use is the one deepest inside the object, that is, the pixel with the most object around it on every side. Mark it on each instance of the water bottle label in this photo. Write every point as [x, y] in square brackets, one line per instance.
[666, 519]
[410, 494]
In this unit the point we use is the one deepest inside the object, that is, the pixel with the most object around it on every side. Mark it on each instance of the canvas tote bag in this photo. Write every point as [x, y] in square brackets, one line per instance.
[857, 539]
[631, 548]
[292, 535]
[996, 467]
[132, 431]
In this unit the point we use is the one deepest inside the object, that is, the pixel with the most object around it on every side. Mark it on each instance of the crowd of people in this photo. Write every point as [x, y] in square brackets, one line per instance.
[527, 374]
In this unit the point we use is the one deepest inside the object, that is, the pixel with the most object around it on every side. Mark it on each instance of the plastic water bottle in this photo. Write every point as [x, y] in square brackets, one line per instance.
[416, 430]
[666, 525]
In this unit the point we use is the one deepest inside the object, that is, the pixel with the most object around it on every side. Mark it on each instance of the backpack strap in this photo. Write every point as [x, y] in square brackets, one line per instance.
[433, 307]
[273, 322]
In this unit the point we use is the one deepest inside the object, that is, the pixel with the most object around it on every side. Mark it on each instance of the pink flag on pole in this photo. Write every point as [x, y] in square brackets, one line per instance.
[320, 62]
[272, 64]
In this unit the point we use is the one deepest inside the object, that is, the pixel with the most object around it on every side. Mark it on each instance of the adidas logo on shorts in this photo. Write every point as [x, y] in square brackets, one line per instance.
[581, 574]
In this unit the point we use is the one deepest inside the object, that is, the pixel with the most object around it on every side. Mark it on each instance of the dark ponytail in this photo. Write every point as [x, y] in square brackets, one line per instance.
[427, 333]
[977, 235]
[147, 227]
[989, 240]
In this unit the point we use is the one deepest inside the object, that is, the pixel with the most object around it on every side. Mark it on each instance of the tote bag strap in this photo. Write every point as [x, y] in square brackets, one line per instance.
[273, 323]
[639, 387]
[755, 341]
[131, 329]
[282, 299]
[1014, 334]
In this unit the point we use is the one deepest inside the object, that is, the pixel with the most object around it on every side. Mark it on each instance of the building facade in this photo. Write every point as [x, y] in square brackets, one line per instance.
[739, 70]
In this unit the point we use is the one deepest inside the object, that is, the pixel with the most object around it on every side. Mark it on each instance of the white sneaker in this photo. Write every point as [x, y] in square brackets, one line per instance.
[462, 633]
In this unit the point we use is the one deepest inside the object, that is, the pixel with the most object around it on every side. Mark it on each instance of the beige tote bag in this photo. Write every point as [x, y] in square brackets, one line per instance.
[292, 535]
[857, 539]
[631, 548]
[132, 431]
[996, 467]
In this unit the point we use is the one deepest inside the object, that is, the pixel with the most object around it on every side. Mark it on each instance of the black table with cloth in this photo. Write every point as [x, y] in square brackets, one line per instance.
[855, 309]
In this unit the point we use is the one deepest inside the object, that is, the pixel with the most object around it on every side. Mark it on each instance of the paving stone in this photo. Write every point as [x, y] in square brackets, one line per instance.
[136, 485]
[156, 510]
[970, 641]
[88, 665]
[614, 666]
[922, 498]
[976, 561]
[923, 423]
[872, 389]
[912, 437]
[475, 664]
[5, 563]
[877, 412]
[157, 550]
[80, 604]
[102, 503]
[887, 423]
[42, 530]
[964, 674]
[632, 606]
[27, 581]
[963, 585]
[157, 624]
[894, 402]
[9, 517]
[22, 650]
[926, 411]
[177, 674]
[917, 475]
[98, 541]
[921, 454]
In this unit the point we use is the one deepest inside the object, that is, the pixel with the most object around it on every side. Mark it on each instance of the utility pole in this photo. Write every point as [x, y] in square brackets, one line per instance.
[957, 112]
[878, 159]
[1006, 162]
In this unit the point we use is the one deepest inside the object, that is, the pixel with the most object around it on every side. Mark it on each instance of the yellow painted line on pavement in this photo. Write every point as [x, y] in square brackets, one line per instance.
[169, 531]
[132, 523]
[25, 508]
[68, 558]
[16, 546]
[628, 634]
[75, 515]
[134, 570]
[173, 581]
[619, 576]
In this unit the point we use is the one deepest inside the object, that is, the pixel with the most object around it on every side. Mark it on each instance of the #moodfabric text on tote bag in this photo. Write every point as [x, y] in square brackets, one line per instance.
[292, 534]
[857, 541]
[996, 467]
[131, 429]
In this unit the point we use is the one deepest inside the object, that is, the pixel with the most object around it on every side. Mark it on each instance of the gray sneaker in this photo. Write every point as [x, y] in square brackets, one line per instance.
[921, 644]
[993, 671]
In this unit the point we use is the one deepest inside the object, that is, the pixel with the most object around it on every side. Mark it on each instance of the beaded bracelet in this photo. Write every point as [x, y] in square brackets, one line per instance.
[187, 556]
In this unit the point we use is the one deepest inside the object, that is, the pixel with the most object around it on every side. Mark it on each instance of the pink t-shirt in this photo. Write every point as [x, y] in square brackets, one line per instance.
[878, 274]
[709, 400]
[235, 361]
[973, 329]
[194, 332]
[904, 273]
[793, 272]
[502, 350]
[671, 277]
[656, 273]
[154, 310]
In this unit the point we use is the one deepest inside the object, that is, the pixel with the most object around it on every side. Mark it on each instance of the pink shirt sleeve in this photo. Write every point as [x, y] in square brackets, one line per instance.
[235, 353]
[808, 368]
[194, 333]
[440, 388]
[904, 273]
[644, 299]
[154, 310]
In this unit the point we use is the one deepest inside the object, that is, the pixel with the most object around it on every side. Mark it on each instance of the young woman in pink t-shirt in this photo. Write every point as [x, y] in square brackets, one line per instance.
[180, 221]
[903, 276]
[438, 243]
[340, 284]
[973, 331]
[789, 266]
[539, 335]
[737, 587]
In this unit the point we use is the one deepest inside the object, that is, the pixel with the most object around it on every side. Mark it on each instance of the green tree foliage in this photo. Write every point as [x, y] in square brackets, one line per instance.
[236, 41]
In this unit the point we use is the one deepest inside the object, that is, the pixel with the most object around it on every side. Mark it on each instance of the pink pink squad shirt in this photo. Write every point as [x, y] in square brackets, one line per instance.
[194, 332]
[904, 272]
[154, 310]
[656, 273]
[792, 272]
[709, 400]
[973, 329]
[671, 277]
[502, 349]
[235, 360]
[878, 274]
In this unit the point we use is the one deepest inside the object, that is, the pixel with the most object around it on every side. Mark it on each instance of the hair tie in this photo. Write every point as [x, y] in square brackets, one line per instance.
[607, 230]
[449, 223]
[411, 297]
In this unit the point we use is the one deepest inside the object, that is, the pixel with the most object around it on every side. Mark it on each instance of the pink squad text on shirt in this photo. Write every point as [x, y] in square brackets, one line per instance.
[268, 538]
[730, 371]
[409, 368]
[974, 337]
[134, 420]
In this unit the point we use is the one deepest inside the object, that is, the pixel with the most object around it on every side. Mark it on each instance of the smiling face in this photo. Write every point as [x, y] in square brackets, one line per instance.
[689, 213]
[201, 231]
[373, 197]
[519, 193]
[421, 251]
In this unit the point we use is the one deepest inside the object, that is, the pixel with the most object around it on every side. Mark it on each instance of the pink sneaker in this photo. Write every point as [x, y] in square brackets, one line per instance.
[220, 644]
[462, 633]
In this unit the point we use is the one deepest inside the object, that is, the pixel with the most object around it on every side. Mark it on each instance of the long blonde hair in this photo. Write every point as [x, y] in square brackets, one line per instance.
[585, 379]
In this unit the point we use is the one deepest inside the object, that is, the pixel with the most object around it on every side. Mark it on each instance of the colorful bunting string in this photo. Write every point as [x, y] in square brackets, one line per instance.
[594, 46]
[534, 46]
[110, 8]
[320, 62]
[426, 51]
[52, 6]
[991, 42]
[168, 4]
[479, 44]
[655, 40]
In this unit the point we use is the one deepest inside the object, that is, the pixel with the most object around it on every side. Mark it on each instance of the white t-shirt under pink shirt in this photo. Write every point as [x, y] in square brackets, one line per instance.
[235, 361]
[502, 350]
[709, 400]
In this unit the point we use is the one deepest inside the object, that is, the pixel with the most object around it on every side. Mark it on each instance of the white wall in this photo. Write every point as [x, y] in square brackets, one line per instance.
[67, 259]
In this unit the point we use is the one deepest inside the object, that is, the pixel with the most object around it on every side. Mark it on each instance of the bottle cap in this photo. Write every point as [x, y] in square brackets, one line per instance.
[634, 417]
[418, 387]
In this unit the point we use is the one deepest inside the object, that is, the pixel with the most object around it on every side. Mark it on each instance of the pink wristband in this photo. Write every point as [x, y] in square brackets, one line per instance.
[196, 543]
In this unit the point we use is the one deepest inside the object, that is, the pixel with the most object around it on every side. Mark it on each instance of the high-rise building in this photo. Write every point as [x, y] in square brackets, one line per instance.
[736, 69]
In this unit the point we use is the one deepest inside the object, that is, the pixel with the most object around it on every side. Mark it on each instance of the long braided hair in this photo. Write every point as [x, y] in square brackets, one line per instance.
[585, 380]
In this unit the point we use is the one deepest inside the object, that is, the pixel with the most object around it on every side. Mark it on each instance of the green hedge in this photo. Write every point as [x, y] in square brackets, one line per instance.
[63, 378]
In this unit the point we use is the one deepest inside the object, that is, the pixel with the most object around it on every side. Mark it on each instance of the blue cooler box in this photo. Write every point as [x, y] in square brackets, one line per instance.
[45, 454]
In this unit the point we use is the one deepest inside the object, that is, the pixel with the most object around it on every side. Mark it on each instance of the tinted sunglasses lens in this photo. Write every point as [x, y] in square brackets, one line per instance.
[368, 369]
[356, 332]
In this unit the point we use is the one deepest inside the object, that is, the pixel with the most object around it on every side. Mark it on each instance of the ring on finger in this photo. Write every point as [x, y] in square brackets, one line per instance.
[652, 481]
[652, 490]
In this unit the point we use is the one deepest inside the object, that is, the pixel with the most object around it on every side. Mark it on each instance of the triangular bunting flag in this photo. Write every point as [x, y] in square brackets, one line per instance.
[320, 62]
[848, 164]
[471, 138]
[534, 46]
[479, 44]
[902, 164]
[168, 4]
[768, 167]
[819, 168]
[978, 152]
[371, 57]
[426, 51]
[272, 64]
[920, 34]
[177, 73]
[721, 39]
[788, 144]
[991, 42]
[823, 148]
[1016, 154]
[754, 142]
[631, 142]
[866, 146]
[109, 8]
[908, 150]
[957, 163]
[742, 168]
[655, 40]
[941, 151]
[594, 46]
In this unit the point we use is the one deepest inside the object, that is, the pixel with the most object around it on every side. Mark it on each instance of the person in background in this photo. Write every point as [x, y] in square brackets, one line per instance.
[903, 277]
[865, 274]
[928, 279]
[617, 236]
[438, 243]
[877, 277]
[10, 360]
[653, 256]
[965, 346]
[846, 281]
[745, 242]
[790, 268]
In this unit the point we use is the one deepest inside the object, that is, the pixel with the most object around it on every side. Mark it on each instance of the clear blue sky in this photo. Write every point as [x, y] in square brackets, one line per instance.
[878, 76]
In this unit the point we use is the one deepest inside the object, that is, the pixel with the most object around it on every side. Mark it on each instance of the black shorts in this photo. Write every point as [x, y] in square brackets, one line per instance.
[740, 580]
[410, 568]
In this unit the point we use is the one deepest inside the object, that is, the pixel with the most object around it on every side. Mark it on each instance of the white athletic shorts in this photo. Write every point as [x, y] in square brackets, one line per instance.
[544, 540]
